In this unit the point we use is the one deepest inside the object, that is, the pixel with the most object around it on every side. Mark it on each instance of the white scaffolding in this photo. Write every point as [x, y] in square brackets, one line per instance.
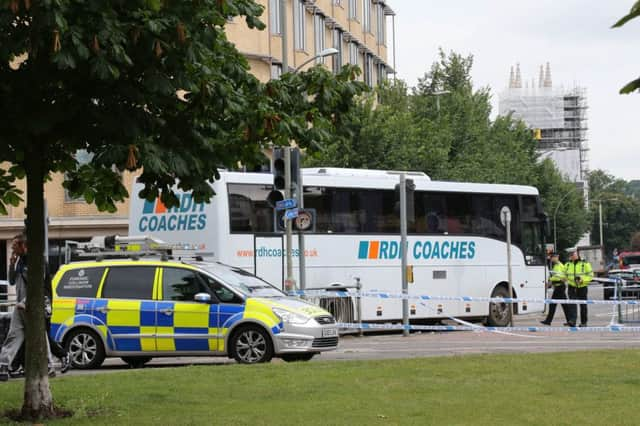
[559, 114]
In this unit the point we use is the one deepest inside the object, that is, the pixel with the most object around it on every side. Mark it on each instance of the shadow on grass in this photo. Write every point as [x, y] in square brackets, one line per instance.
[58, 413]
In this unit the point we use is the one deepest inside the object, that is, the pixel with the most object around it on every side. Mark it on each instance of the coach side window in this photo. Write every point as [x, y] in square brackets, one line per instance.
[129, 282]
[430, 213]
[459, 213]
[249, 210]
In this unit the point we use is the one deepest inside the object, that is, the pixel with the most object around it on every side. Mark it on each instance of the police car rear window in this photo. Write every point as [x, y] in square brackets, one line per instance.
[129, 282]
[81, 282]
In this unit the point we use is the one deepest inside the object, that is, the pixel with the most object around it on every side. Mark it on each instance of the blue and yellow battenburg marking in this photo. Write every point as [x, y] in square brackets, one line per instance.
[427, 249]
[150, 326]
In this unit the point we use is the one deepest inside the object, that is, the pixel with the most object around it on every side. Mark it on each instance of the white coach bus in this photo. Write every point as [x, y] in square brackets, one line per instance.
[456, 242]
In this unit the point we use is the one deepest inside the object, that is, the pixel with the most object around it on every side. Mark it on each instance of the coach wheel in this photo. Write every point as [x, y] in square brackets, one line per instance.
[136, 361]
[499, 315]
[298, 357]
[251, 344]
[85, 349]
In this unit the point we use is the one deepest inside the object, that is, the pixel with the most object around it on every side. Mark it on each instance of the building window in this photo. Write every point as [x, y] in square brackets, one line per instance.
[300, 22]
[353, 53]
[366, 15]
[381, 25]
[368, 69]
[353, 9]
[337, 44]
[275, 17]
[382, 73]
[319, 33]
[276, 71]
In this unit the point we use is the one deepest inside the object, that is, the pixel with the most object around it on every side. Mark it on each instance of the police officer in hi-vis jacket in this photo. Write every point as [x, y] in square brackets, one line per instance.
[558, 281]
[579, 275]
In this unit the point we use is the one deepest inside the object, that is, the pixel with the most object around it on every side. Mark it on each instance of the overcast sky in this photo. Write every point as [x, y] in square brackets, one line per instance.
[573, 35]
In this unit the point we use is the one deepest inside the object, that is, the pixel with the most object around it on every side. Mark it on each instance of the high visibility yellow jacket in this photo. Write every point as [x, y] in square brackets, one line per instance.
[580, 269]
[558, 274]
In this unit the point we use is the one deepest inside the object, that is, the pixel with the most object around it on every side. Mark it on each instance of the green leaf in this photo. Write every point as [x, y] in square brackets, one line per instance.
[630, 87]
[634, 13]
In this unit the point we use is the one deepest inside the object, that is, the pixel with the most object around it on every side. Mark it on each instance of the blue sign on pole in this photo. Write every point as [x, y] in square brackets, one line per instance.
[291, 213]
[286, 204]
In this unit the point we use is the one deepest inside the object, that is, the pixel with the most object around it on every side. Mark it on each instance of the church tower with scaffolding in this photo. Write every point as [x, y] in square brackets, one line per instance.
[558, 118]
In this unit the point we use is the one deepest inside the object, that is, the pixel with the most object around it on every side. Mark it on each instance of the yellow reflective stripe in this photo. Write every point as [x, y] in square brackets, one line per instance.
[102, 280]
[165, 343]
[123, 312]
[148, 343]
[261, 312]
[190, 314]
[157, 291]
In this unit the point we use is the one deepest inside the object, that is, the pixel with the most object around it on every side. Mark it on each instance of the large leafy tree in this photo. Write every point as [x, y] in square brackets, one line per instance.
[564, 203]
[620, 211]
[634, 13]
[149, 84]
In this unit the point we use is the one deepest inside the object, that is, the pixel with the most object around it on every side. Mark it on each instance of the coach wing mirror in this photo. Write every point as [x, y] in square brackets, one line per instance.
[202, 298]
[546, 225]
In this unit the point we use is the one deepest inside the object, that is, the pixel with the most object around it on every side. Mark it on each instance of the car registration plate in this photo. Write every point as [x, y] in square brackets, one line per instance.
[329, 332]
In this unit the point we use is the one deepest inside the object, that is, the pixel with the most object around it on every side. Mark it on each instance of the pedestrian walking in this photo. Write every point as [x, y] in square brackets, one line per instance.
[579, 275]
[15, 336]
[558, 281]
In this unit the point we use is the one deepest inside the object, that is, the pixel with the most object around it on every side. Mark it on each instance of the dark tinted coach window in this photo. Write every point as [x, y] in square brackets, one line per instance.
[129, 282]
[81, 282]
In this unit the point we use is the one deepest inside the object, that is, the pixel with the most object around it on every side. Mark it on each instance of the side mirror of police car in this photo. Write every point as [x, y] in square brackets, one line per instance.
[202, 298]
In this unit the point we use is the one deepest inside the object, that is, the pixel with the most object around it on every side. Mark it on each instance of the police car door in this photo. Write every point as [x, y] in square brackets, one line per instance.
[128, 307]
[184, 325]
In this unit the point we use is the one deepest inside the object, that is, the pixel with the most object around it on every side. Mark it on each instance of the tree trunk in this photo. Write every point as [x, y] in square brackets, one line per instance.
[38, 402]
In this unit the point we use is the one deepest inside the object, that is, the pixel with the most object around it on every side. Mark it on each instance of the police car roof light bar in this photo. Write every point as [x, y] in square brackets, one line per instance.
[115, 246]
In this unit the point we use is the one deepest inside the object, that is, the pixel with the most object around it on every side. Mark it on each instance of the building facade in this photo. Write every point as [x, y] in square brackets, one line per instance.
[357, 29]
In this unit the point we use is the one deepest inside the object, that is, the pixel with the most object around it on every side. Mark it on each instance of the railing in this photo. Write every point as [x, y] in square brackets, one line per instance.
[627, 314]
[346, 310]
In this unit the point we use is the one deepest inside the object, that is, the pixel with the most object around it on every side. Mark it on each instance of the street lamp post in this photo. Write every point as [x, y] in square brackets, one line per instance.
[437, 95]
[326, 52]
[555, 212]
[600, 223]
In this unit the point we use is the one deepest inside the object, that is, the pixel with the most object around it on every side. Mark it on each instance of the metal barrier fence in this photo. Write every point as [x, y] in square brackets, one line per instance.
[627, 313]
[346, 310]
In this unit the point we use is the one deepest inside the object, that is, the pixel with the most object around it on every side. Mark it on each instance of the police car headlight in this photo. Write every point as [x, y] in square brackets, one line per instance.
[290, 317]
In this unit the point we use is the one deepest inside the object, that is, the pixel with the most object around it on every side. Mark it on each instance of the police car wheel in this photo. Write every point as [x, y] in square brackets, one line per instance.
[499, 315]
[85, 349]
[298, 357]
[251, 345]
[136, 361]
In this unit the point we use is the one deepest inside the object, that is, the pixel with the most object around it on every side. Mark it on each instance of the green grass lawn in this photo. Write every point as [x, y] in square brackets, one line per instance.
[600, 388]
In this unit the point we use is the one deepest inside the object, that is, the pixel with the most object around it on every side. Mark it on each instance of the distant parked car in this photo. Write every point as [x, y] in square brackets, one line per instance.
[630, 276]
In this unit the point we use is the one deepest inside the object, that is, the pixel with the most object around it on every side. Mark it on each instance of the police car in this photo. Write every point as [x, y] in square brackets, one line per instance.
[132, 303]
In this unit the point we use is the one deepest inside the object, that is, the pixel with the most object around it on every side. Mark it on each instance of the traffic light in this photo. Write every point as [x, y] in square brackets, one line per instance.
[410, 188]
[279, 166]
